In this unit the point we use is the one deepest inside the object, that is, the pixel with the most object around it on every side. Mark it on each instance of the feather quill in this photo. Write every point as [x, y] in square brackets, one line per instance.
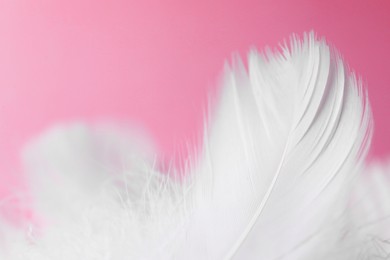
[273, 176]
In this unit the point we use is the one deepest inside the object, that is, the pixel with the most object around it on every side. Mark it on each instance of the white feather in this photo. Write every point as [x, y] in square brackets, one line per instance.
[79, 159]
[283, 146]
[273, 175]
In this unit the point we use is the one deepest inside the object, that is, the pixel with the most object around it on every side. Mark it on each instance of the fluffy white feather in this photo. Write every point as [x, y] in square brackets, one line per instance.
[279, 156]
[270, 182]
[98, 194]
[70, 164]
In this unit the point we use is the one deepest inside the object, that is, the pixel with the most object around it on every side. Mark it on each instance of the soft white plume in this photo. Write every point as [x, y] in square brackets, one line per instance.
[271, 181]
[70, 164]
[279, 156]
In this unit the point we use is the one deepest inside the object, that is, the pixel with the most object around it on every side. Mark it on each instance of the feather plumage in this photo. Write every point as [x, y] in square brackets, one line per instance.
[272, 177]
[283, 146]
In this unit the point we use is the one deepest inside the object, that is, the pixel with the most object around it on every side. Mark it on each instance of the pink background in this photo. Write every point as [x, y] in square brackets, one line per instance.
[153, 62]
